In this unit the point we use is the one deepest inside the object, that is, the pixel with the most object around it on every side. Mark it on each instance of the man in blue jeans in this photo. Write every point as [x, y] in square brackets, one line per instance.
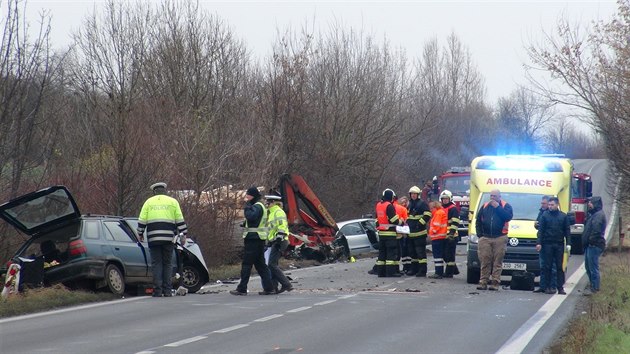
[553, 234]
[594, 242]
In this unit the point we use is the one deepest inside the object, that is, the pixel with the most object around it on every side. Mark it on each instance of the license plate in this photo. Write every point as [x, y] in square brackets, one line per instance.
[515, 266]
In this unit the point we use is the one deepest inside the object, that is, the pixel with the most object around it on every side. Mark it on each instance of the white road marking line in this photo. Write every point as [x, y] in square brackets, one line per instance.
[324, 302]
[230, 329]
[75, 308]
[185, 341]
[521, 338]
[268, 318]
[299, 309]
[347, 296]
[146, 352]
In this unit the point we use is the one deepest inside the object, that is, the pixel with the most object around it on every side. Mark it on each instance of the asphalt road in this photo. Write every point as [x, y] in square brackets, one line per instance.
[336, 308]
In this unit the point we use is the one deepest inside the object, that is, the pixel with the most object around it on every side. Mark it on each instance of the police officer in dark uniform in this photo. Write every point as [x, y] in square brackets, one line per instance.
[255, 236]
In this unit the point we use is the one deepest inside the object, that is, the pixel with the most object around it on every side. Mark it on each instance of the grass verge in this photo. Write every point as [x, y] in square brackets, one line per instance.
[44, 299]
[604, 326]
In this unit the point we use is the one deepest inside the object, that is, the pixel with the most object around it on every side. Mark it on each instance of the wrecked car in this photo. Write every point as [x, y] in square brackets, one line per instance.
[97, 251]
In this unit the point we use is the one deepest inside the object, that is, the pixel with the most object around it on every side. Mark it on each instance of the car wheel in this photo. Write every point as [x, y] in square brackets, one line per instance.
[472, 275]
[191, 279]
[114, 279]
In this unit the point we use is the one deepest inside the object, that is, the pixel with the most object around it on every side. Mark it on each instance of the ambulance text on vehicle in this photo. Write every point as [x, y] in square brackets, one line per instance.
[523, 180]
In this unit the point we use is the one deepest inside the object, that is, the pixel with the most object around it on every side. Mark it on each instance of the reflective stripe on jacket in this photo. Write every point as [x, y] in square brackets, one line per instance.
[260, 227]
[453, 217]
[386, 219]
[439, 226]
[277, 223]
[162, 217]
[419, 217]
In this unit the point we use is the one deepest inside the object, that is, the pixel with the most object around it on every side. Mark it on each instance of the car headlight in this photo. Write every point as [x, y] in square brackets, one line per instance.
[473, 238]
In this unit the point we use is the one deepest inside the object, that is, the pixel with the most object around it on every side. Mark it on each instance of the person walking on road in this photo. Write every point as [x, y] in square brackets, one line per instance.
[255, 236]
[492, 223]
[437, 231]
[554, 234]
[278, 242]
[163, 220]
[419, 218]
[594, 242]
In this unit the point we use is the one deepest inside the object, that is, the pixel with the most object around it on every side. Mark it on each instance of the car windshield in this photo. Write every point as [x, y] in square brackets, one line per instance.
[458, 185]
[525, 206]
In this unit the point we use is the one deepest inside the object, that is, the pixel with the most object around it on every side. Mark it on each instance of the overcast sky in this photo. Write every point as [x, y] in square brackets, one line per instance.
[494, 31]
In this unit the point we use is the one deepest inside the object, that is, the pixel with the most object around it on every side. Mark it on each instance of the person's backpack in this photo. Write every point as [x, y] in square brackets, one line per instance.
[522, 280]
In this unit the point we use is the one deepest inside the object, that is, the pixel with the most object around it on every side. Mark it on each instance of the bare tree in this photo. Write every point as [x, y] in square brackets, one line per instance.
[449, 90]
[564, 138]
[196, 79]
[110, 52]
[30, 100]
[26, 82]
[523, 116]
[593, 70]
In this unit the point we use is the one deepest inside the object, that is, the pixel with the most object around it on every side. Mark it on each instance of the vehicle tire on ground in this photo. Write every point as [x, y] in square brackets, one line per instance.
[191, 278]
[472, 275]
[115, 279]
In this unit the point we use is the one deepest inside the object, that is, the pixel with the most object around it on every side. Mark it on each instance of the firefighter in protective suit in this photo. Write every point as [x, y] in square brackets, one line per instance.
[450, 245]
[386, 222]
[418, 219]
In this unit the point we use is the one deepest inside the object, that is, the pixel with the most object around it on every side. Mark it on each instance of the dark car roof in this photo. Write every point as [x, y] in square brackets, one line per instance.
[41, 210]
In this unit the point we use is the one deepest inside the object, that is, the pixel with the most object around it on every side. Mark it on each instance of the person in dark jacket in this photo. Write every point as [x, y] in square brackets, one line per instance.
[419, 218]
[491, 225]
[553, 234]
[594, 241]
[255, 236]
[450, 244]
[544, 205]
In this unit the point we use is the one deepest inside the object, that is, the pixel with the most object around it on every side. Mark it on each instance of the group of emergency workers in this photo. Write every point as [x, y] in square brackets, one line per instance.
[264, 226]
[439, 221]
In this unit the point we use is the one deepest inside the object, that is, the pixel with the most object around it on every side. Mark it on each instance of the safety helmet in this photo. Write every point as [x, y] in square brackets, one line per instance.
[388, 195]
[446, 194]
[414, 189]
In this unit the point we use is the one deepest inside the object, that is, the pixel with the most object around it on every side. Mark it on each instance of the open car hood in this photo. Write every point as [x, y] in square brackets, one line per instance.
[41, 210]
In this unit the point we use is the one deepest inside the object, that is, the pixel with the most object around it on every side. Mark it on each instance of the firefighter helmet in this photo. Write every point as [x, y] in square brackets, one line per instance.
[414, 189]
[446, 194]
[388, 195]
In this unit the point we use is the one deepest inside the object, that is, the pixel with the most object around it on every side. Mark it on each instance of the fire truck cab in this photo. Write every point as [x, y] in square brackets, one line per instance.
[457, 181]
[523, 180]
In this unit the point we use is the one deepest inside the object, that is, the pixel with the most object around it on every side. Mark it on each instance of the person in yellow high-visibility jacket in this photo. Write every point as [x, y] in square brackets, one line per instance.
[163, 219]
[278, 240]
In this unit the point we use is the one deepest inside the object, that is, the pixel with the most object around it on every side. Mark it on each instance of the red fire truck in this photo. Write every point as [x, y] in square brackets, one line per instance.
[581, 190]
[457, 181]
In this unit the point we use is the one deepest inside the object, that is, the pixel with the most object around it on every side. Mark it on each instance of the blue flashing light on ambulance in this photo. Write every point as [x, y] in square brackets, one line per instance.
[522, 180]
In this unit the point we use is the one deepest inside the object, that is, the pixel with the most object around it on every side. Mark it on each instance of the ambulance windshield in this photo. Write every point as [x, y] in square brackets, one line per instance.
[525, 206]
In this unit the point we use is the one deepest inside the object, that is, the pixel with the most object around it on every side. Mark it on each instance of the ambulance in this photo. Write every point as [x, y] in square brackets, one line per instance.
[523, 180]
